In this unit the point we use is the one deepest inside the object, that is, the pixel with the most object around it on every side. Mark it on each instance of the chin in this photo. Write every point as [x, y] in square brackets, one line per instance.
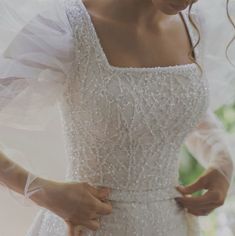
[170, 11]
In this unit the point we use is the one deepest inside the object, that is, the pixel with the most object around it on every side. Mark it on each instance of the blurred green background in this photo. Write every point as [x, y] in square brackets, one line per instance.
[220, 222]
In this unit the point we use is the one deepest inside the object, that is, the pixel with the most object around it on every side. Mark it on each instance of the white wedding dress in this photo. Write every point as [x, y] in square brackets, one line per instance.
[124, 129]
[124, 126]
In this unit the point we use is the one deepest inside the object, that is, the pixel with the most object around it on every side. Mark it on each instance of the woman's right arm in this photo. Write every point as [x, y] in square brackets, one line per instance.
[77, 203]
[12, 175]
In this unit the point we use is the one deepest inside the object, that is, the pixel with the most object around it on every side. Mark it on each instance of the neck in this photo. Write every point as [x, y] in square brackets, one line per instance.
[138, 12]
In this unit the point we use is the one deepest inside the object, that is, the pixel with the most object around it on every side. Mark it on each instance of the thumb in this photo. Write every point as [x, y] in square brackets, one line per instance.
[191, 188]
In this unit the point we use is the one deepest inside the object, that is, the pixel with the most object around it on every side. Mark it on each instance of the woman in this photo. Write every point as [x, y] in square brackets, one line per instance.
[129, 94]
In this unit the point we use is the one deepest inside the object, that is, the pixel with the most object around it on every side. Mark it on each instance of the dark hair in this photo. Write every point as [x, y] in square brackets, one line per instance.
[199, 38]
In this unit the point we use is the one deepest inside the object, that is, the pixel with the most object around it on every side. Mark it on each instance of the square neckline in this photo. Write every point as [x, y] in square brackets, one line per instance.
[142, 69]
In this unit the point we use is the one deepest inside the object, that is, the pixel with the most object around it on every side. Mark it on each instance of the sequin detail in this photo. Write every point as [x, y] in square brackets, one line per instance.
[124, 128]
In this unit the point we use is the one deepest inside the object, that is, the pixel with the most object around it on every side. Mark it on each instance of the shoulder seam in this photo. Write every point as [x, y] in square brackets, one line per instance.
[73, 12]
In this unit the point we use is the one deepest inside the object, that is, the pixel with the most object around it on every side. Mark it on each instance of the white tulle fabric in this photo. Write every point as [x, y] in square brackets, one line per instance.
[34, 66]
[216, 32]
[37, 54]
[209, 142]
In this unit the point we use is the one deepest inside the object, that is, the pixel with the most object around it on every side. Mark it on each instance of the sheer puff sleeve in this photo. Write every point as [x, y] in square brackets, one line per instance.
[209, 142]
[36, 57]
[35, 64]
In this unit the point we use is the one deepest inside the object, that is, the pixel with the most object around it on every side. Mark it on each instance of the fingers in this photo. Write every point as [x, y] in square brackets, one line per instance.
[73, 230]
[93, 224]
[103, 208]
[210, 197]
[197, 201]
[199, 184]
[200, 205]
[99, 192]
[201, 212]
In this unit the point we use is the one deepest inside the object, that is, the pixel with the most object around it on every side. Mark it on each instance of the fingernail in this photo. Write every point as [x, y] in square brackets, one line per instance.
[179, 188]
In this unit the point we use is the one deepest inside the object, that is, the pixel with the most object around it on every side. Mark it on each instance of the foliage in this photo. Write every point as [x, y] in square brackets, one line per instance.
[219, 221]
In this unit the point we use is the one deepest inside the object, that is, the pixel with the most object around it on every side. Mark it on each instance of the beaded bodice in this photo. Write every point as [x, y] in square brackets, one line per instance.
[124, 126]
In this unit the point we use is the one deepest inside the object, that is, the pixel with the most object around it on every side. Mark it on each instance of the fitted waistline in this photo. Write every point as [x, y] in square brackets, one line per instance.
[141, 196]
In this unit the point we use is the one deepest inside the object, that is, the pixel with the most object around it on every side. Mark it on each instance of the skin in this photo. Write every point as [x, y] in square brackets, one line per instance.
[133, 33]
[78, 203]
[217, 188]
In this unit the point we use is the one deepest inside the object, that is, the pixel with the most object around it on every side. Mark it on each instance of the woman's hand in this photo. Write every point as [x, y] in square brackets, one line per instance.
[217, 186]
[77, 203]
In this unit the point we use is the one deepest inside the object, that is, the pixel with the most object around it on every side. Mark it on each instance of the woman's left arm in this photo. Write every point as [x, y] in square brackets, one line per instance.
[208, 145]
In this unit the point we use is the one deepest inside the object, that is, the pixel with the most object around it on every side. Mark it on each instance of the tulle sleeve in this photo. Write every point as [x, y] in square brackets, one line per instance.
[209, 145]
[209, 142]
[36, 56]
[216, 33]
